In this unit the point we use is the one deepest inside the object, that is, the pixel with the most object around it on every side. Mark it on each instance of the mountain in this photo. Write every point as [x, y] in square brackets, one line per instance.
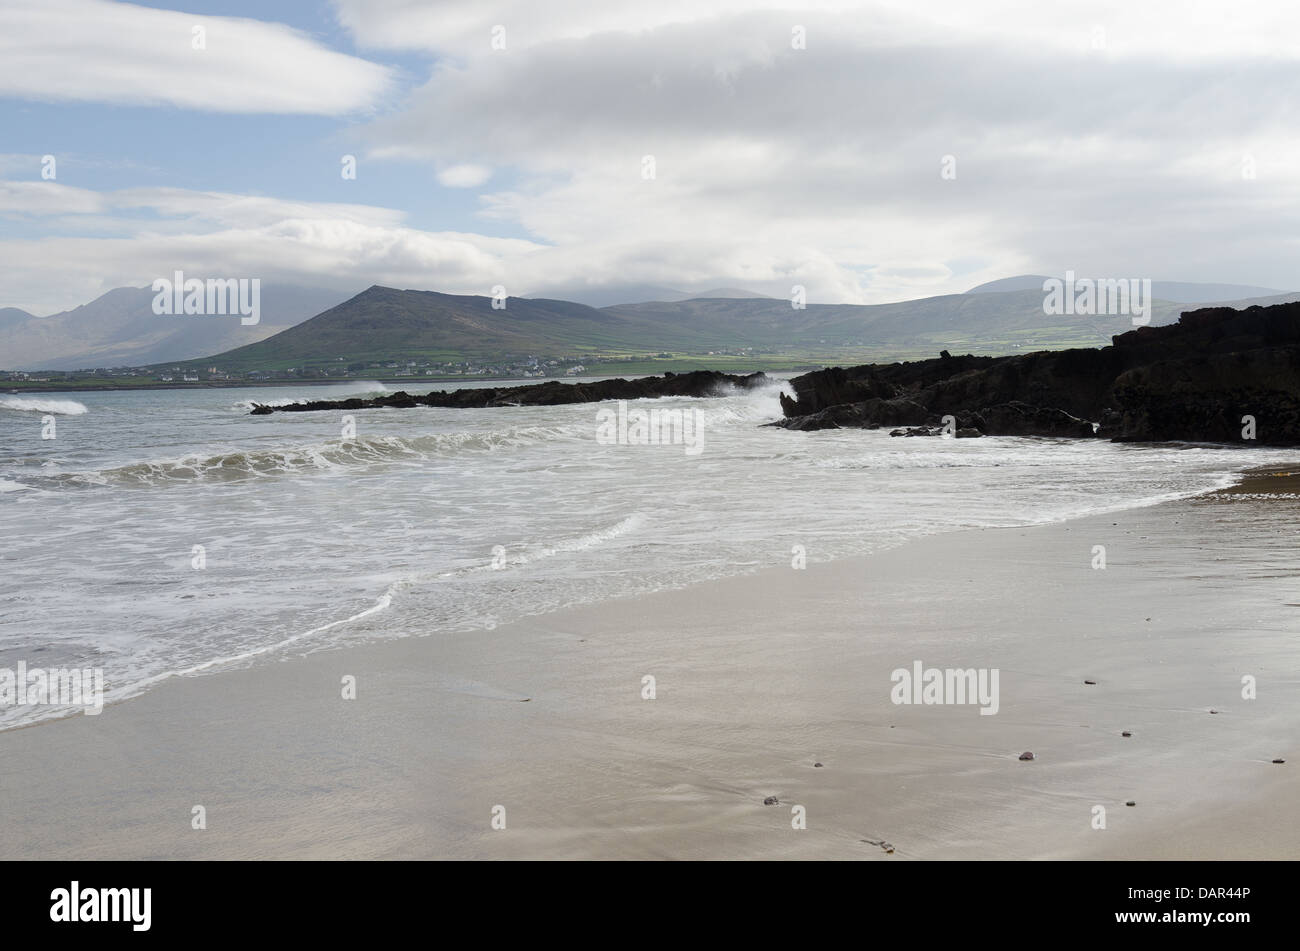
[640, 293]
[734, 293]
[385, 325]
[12, 315]
[993, 322]
[121, 329]
[1182, 292]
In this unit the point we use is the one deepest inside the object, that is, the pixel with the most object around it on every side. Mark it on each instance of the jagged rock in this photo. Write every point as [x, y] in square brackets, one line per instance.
[1021, 419]
[1026, 756]
[550, 393]
[846, 415]
[1195, 380]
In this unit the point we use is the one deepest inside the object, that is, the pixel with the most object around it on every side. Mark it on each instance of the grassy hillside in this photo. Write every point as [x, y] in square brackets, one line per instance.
[441, 335]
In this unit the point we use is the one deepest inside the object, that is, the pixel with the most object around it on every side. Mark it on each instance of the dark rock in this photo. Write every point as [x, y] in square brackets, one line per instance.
[846, 415]
[698, 383]
[771, 801]
[1091, 683]
[1021, 419]
[1126, 733]
[260, 410]
[1026, 757]
[1130, 803]
[817, 765]
[969, 432]
[1193, 380]
[1279, 761]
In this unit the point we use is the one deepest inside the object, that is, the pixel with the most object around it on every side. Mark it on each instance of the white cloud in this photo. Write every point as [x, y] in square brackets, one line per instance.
[221, 234]
[100, 51]
[464, 176]
[1183, 29]
[1122, 156]
[773, 165]
[47, 198]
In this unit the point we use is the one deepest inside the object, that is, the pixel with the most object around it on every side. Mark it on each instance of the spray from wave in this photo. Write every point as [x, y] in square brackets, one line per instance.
[362, 390]
[59, 407]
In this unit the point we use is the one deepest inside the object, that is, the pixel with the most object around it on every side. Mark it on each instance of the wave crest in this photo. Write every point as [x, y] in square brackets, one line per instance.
[58, 407]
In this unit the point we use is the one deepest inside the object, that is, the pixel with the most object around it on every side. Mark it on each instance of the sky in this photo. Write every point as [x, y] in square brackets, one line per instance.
[867, 151]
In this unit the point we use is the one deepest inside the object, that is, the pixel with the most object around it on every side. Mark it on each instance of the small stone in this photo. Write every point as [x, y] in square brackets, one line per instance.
[1130, 803]
[1214, 711]
[1091, 683]
[817, 765]
[771, 801]
[1026, 756]
[1279, 761]
[1126, 733]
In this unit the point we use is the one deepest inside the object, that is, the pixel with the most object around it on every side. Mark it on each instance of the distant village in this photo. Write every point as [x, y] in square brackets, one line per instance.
[181, 374]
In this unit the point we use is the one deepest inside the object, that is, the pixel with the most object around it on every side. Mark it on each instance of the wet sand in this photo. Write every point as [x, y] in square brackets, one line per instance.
[756, 680]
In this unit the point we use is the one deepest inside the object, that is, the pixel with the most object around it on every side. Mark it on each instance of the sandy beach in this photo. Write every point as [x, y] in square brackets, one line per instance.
[756, 680]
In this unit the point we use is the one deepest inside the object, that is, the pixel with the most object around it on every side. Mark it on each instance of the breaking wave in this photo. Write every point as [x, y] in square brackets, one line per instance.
[60, 407]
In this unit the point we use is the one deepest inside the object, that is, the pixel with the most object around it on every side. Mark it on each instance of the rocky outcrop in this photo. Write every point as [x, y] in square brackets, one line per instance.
[550, 393]
[1218, 375]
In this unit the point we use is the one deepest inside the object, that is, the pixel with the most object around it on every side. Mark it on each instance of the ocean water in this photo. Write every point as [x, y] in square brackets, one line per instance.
[432, 520]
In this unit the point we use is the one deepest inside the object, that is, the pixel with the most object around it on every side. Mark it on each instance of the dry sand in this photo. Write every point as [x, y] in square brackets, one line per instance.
[757, 679]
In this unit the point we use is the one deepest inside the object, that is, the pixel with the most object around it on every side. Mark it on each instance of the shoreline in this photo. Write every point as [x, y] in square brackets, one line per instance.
[758, 677]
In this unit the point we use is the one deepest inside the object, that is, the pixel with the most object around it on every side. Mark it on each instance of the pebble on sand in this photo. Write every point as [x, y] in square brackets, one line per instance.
[1026, 756]
[1126, 733]
[1091, 683]
[1130, 803]
[771, 801]
[1279, 761]
[817, 765]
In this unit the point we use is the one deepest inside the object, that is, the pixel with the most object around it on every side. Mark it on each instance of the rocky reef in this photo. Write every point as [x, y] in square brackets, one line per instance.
[550, 393]
[1217, 375]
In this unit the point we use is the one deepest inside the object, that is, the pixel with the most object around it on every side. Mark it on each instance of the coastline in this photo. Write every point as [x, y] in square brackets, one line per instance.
[757, 678]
